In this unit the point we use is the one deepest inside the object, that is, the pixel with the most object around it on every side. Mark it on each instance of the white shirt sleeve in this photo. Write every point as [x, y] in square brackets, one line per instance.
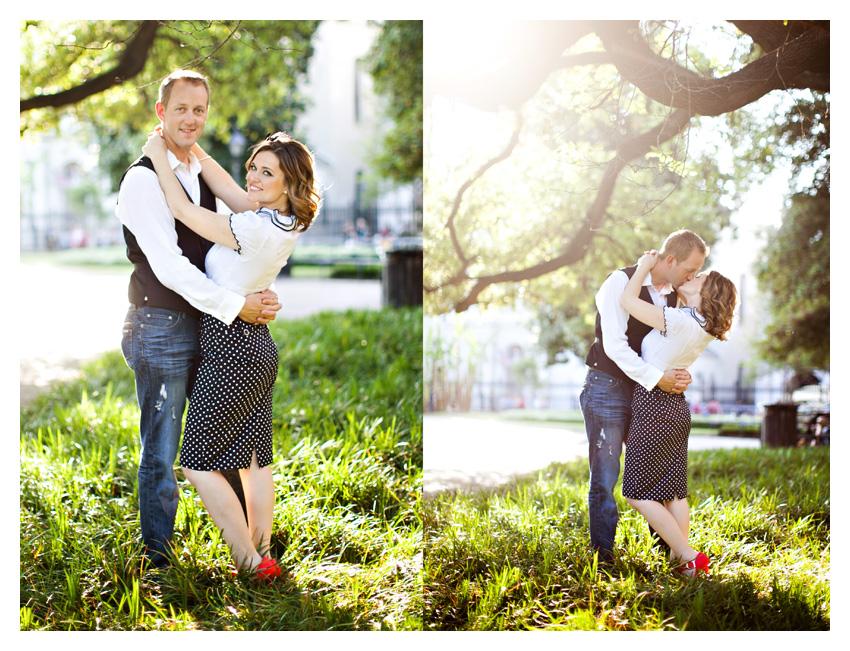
[143, 210]
[251, 233]
[614, 321]
[677, 322]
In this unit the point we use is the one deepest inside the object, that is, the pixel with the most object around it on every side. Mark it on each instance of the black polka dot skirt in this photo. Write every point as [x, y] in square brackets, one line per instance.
[656, 465]
[230, 407]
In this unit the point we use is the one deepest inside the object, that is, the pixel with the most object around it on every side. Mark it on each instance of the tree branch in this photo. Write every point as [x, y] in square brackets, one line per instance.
[130, 64]
[771, 34]
[215, 49]
[460, 276]
[579, 244]
[673, 85]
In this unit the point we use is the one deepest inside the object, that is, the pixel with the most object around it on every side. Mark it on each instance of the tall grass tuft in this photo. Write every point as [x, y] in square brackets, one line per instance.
[348, 471]
[518, 557]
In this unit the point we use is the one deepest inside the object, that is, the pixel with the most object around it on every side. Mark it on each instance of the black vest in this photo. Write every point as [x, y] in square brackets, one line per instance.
[635, 332]
[145, 288]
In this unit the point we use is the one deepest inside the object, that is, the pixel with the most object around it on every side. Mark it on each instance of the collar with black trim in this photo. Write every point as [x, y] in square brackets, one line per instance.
[284, 223]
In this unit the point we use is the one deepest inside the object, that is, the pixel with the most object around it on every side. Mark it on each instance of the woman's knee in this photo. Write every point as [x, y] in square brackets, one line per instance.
[190, 475]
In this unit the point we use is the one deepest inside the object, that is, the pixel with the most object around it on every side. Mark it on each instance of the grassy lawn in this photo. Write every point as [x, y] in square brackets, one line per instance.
[517, 558]
[348, 471]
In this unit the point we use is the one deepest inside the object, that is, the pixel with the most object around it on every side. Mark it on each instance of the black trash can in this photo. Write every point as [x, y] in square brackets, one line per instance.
[779, 427]
[402, 274]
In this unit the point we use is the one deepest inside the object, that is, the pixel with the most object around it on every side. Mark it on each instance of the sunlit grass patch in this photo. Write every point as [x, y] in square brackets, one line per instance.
[348, 472]
[518, 557]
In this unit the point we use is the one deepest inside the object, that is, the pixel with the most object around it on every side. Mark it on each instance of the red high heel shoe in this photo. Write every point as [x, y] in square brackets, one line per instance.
[694, 567]
[267, 570]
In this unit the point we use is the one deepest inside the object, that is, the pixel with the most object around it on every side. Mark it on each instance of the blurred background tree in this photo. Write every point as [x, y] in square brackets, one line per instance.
[795, 273]
[794, 270]
[395, 62]
[107, 74]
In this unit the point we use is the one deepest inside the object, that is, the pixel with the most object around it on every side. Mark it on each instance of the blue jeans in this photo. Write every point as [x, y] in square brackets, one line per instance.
[606, 403]
[161, 346]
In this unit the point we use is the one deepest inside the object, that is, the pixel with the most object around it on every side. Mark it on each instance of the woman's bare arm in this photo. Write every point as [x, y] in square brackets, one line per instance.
[206, 223]
[647, 313]
[221, 183]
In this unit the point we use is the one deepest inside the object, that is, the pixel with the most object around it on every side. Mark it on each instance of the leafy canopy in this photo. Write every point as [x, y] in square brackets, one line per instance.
[794, 270]
[395, 62]
[254, 69]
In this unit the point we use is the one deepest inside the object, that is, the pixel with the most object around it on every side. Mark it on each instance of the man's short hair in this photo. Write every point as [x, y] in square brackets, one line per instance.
[189, 76]
[681, 244]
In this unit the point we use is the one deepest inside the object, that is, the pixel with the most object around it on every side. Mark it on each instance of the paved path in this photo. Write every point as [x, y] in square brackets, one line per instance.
[468, 451]
[461, 451]
[88, 308]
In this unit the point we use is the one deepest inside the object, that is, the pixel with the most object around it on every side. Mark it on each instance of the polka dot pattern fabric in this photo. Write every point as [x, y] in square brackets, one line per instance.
[230, 408]
[656, 464]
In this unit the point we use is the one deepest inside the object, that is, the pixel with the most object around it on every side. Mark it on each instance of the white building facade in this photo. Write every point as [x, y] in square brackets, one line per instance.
[343, 126]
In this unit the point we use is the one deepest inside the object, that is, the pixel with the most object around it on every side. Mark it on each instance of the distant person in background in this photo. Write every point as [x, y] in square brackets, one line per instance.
[822, 430]
[817, 432]
[168, 292]
[655, 477]
[362, 229]
[349, 232]
[229, 422]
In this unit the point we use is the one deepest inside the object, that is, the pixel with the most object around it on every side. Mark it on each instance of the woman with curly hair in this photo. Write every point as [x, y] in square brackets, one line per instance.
[229, 421]
[655, 477]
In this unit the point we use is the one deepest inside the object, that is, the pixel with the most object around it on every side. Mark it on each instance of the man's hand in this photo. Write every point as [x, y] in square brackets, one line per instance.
[260, 308]
[675, 381]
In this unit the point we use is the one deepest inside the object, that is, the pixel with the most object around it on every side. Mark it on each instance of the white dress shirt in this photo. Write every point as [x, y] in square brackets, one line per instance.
[143, 210]
[614, 320]
[265, 239]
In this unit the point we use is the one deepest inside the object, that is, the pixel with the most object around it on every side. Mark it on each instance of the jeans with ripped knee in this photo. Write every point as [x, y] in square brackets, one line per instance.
[161, 347]
[606, 403]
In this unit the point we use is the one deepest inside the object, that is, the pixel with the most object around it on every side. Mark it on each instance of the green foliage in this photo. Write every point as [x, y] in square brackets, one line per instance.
[794, 271]
[85, 199]
[795, 275]
[518, 558]
[794, 129]
[254, 68]
[395, 62]
[348, 476]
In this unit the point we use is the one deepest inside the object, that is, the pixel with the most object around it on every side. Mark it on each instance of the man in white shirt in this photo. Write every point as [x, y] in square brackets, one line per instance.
[168, 291]
[614, 365]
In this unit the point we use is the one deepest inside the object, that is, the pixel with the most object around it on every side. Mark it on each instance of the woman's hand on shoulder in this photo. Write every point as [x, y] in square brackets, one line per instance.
[155, 146]
[648, 260]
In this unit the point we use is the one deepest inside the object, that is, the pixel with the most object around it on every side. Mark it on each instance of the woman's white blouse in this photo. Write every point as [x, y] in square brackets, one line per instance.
[681, 345]
[266, 240]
